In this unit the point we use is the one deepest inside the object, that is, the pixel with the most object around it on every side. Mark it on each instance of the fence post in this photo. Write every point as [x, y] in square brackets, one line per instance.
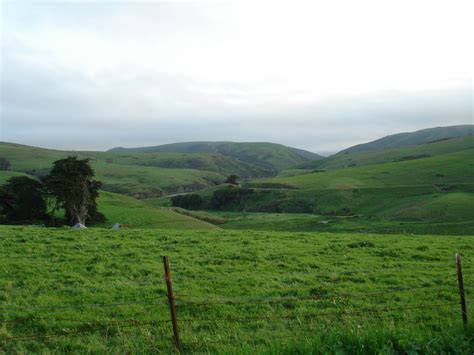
[461, 290]
[174, 318]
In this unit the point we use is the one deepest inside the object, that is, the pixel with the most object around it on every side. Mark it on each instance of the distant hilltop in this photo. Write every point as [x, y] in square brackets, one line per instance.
[271, 156]
[407, 139]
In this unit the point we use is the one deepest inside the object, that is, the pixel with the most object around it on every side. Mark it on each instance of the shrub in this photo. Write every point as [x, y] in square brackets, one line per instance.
[231, 179]
[23, 200]
[5, 164]
[222, 198]
[189, 202]
[296, 206]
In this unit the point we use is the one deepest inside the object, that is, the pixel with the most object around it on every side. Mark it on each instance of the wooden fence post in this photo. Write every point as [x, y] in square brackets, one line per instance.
[174, 318]
[461, 290]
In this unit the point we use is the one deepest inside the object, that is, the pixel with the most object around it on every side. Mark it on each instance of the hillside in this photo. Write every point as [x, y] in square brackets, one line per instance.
[437, 189]
[420, 151]
[26, 158]
[137, 175]
[269, 156]
[455, 167]
[400, 140]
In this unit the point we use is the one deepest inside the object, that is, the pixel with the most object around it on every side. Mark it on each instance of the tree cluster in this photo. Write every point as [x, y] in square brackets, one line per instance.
[70, 185]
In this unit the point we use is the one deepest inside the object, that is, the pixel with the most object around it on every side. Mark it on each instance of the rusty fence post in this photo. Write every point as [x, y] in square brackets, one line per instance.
[461, 290]
[174, 318]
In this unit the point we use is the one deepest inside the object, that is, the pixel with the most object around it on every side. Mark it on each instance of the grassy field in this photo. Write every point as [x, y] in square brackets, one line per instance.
[137, 214]
[102, 291]
[305, 222]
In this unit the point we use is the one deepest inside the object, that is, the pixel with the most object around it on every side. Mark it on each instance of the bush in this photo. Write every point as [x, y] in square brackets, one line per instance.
[225, 197]
[296, 206]
[231, 179]
[5, 164]
[23, 200]
[189, 202]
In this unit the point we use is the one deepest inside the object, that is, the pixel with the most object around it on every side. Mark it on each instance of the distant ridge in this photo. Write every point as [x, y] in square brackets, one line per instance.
[271, 156]
[407, 139]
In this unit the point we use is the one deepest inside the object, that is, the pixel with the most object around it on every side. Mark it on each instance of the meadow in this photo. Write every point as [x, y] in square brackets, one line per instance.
[103, 291]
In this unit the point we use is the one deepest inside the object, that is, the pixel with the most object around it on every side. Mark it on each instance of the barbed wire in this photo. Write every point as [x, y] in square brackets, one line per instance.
[91, 305]
[131, 323]
[94, 321]
[316, 315]
[244, 300]
[225, 276]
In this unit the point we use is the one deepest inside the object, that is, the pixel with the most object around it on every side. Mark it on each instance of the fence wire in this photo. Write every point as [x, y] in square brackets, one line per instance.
[87, 327]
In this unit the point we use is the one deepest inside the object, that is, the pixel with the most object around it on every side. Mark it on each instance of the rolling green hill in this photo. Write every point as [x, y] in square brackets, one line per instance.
[438, 189]
[352, 159]
[269, 156]
[400, 140]
[138, 175]
[26, 158]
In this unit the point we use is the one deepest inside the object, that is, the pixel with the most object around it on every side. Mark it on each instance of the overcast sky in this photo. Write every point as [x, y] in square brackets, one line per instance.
[315, 75]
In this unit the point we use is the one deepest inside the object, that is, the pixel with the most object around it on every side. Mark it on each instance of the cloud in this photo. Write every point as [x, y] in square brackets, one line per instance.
[96, 75]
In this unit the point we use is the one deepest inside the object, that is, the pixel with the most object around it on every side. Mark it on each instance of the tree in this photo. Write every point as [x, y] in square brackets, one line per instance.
[231, 179]
[72, 186]
[6, 201]
[22, 199]
[5, 164]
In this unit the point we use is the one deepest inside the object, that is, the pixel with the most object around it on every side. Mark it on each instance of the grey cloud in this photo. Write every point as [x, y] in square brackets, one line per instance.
[48, 104]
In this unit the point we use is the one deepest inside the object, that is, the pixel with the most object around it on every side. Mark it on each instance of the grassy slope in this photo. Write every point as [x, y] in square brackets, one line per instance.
[137, 214]
[414, 138]
[44, 267]
[269, 156]
[197, 161]
[456, 168]
[344, 160]
[143, 181]
[120, 173]
[5, 175]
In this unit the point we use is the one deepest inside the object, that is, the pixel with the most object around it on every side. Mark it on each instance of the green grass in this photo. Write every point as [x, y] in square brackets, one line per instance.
[344, 160]
[305, 222]
[201, 215]
[5, 175]
[137, 214]
[343, 273]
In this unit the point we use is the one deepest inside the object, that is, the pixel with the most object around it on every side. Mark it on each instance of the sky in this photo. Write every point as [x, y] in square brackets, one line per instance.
[317, 75]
